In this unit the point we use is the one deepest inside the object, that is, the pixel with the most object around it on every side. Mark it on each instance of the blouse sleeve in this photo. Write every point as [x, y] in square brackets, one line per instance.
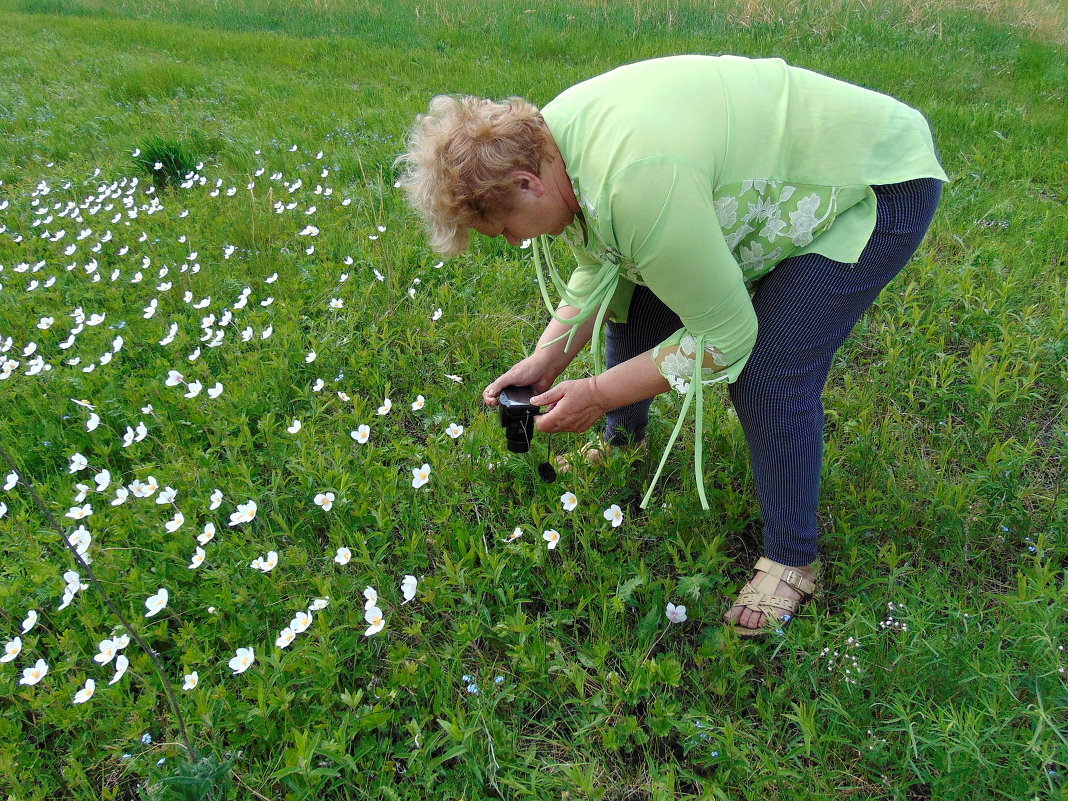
[663, 217]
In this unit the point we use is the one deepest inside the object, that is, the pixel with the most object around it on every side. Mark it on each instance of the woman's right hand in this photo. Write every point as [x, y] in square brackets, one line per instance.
[530, 372]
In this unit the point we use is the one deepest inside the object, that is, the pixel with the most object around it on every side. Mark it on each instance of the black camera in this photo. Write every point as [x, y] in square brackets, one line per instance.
[517, 417]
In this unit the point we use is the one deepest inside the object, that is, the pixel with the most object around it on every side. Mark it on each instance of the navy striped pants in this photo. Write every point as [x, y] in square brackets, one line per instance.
[805, 309]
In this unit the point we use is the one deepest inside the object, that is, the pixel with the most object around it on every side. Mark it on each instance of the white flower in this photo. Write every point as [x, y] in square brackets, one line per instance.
[568, 501]
[614, 514]
[32, 675]
[676, 614]
[30, 621]
[420, 475]
[300, 622]
[79, 512]
[194, 388]
[362, 434]
[121, 663]
[216, 390]
[374, 617]
[191, 680]
[371, 596]
[92, 422]
[216, 499]
[387, 404]
[12, 649]
[318, 385]
[266, 563]
[319, 603]
[198, 558]
[11, 481]
[455, 378]
[337, 303]
[3, 508]
[102, 480]
[408, 585]
[285, 637]
[85, 693]
[121, 494]
[157, 602]
[418, 403]
[310, 357]
[77, 462]
[454, 430]
[343, 556]
[436, 315]
[245, 512]
[242, 660]
[107, 652]
[174, 378]
[175, 523]
[166, 495]
[517, 532]
[325, 500]
[208, 535]
[552, 536]
[295, 427]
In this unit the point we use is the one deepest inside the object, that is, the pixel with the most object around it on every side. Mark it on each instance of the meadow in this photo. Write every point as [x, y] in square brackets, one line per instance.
[236, 380]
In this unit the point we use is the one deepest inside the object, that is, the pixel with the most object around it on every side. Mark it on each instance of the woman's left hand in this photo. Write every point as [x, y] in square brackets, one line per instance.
[571, 406]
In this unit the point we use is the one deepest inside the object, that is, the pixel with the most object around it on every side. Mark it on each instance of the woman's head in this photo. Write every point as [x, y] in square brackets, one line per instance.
[461, 159]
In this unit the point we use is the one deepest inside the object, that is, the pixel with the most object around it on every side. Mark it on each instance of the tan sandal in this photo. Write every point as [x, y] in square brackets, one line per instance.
[761, 597]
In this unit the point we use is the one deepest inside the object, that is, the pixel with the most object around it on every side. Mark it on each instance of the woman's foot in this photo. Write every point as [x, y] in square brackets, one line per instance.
[774, 593]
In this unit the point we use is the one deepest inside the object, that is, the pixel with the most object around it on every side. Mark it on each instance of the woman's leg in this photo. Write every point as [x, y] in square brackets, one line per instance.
[649, 322]
[805, 309]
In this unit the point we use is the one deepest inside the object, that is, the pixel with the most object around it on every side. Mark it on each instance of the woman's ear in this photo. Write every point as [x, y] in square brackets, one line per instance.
[528, 181]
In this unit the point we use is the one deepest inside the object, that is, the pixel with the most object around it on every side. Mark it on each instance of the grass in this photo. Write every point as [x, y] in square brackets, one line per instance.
[930, 666]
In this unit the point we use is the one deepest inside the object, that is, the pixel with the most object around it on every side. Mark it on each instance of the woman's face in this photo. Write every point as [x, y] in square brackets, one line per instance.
[534, 209]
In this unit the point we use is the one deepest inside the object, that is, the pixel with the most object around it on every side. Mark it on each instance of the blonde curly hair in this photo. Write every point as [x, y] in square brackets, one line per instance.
[460, 156]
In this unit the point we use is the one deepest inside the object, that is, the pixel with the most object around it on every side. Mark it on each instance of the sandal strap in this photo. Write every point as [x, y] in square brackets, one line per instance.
[791, 575]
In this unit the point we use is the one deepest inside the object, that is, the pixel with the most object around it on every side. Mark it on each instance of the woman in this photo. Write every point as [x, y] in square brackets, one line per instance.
[741, 209]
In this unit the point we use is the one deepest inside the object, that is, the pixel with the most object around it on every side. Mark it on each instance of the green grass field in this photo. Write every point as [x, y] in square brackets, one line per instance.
[270, 261]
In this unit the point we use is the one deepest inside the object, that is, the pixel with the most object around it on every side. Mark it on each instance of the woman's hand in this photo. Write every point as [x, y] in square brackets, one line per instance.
[531, 372]
[573, 407]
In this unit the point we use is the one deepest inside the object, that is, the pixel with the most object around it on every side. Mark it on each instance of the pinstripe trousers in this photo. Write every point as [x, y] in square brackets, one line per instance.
[805, 307]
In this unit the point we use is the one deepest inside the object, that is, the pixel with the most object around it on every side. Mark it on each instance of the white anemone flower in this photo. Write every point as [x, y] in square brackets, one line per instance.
[166, 495]
[568, 501]
[517, 532]
[32, 675]
[371, 596]
[420, 475]
[267, 563]
[215, 391]
[10, 482]
[78, 462]
[418, 403]
[285, 637]
[300, 622]
[244, 514]
[198, 558]
[295, 427]
[325, 500]
[362, 434]
[121, 663]
[107, 652]
[319, 603]
[12, 649]
[175, 523]
[242, 660]
[191, 680]
[374, 617]
[614, 515]
[156, 603]
[454, 430]
[121, 494]
[387, 404]
[216, 499]
[343, 556]
[208, 534]
[85, 693]
[408, 586]
[552, 536]
[676, 614]
[30, 621]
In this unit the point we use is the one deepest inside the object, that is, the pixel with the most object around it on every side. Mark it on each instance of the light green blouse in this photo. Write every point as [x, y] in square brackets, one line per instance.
[697, 175]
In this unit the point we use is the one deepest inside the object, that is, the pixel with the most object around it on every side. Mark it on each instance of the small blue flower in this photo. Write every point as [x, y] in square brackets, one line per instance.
[499, 680]
[472, 688]
[146, 738]
[127, 756]
[161, 761]
[715, 753]
[466, 678]
[780, 632]
[787, 618]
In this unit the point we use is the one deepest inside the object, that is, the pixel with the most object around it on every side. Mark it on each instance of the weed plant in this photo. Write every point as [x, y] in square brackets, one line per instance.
[222, 335]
